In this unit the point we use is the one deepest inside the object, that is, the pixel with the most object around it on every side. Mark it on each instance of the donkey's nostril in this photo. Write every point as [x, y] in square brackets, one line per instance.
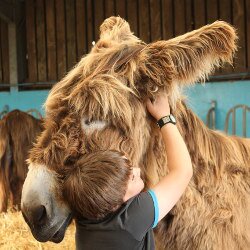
[39, 215]
[36, 215]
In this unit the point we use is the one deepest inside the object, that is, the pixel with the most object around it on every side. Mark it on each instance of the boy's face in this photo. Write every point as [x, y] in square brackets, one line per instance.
[135, 184]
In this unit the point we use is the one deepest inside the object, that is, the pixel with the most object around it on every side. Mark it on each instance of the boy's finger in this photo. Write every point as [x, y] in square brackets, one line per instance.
[149, 102]
[152, 99]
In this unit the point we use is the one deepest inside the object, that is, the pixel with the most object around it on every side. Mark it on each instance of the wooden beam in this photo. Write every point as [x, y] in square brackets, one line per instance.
[21, 40]
[5, 52]
[12, 54]
[31, 41]
[17, 43]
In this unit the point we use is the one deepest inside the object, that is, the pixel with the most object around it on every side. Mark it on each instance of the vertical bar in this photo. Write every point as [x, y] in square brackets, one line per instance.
[21, 43]
[213, 118]
[90, 21]
[13, 77]
[212, 15]
[225, 11]
[81, 28]
[51, 40]
[167, 19]
[132, 16]
[179, 17]
[70, 33]
[1, 65]
[99, 17]
[31, 41]
[238, 21]
[213, 104]
[199, 13]
[233, 122]
[248, 33]
[121, 8]
[60, 38]
[155, 17]
[212, 10]
[41, 41]
[225, 15]
[109, 8]
[4, 57]
[227, 122]
[144, 25]
[189, 15]
[208, 120]
[5, 52]
[244, 123]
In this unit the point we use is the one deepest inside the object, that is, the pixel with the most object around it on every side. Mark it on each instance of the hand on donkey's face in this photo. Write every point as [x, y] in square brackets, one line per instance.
[159, 107]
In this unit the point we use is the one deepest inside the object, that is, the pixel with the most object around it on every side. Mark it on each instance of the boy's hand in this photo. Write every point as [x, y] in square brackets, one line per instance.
[159, 107]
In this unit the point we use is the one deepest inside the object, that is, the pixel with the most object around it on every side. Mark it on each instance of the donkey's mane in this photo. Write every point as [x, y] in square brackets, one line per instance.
[218, 194]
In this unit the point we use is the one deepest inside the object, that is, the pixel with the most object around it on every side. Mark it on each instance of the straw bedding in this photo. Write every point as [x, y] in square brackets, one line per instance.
[15, 234]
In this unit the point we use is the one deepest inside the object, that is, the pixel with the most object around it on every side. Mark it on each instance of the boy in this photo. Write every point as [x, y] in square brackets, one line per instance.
[120, 216]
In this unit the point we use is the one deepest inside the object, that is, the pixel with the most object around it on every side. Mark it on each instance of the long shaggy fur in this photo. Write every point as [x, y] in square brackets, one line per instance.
[111, 83]
[18, 131]
[213, 212]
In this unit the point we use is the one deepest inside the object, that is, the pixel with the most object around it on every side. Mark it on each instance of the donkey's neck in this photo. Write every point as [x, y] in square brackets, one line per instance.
[209, 148]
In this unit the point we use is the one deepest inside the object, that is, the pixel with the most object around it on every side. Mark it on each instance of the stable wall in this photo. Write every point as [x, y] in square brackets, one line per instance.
[226, 95]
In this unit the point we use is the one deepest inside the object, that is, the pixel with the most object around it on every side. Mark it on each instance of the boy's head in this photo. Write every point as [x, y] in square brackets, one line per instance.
[99, 183]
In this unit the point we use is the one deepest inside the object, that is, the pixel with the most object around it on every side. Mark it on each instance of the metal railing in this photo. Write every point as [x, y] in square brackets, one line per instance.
[35, 113]
[4, 111]
[232, 111]
[210, 118]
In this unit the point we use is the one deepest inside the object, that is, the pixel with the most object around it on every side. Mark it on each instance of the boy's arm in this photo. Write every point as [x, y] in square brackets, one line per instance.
[169, 190]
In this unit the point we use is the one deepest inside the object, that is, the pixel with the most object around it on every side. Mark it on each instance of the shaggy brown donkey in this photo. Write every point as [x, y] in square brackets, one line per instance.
[100, 105]
[18, 131]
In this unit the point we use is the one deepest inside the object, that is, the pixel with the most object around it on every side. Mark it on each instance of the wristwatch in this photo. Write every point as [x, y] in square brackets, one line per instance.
[165, 120]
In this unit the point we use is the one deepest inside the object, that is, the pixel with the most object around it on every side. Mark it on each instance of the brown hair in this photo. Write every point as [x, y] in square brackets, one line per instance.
[96, 184]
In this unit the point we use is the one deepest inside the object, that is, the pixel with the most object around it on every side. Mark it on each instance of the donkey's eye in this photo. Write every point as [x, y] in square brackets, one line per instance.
[69, 161]
[87, 122]
[89, 125]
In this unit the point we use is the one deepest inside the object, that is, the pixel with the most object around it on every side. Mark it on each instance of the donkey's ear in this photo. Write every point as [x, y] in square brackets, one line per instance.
[116, 29]
[186, 59]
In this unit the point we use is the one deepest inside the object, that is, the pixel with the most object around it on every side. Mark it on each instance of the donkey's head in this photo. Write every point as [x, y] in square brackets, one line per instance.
[99, 105]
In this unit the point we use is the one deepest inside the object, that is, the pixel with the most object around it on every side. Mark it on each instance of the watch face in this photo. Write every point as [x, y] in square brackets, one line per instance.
[166, 119]
[172, 118]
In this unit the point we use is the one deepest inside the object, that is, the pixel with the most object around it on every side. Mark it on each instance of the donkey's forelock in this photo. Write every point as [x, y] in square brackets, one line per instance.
[102, 81]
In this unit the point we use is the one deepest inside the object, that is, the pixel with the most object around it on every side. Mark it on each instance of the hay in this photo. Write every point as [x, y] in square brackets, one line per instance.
[15, 234]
